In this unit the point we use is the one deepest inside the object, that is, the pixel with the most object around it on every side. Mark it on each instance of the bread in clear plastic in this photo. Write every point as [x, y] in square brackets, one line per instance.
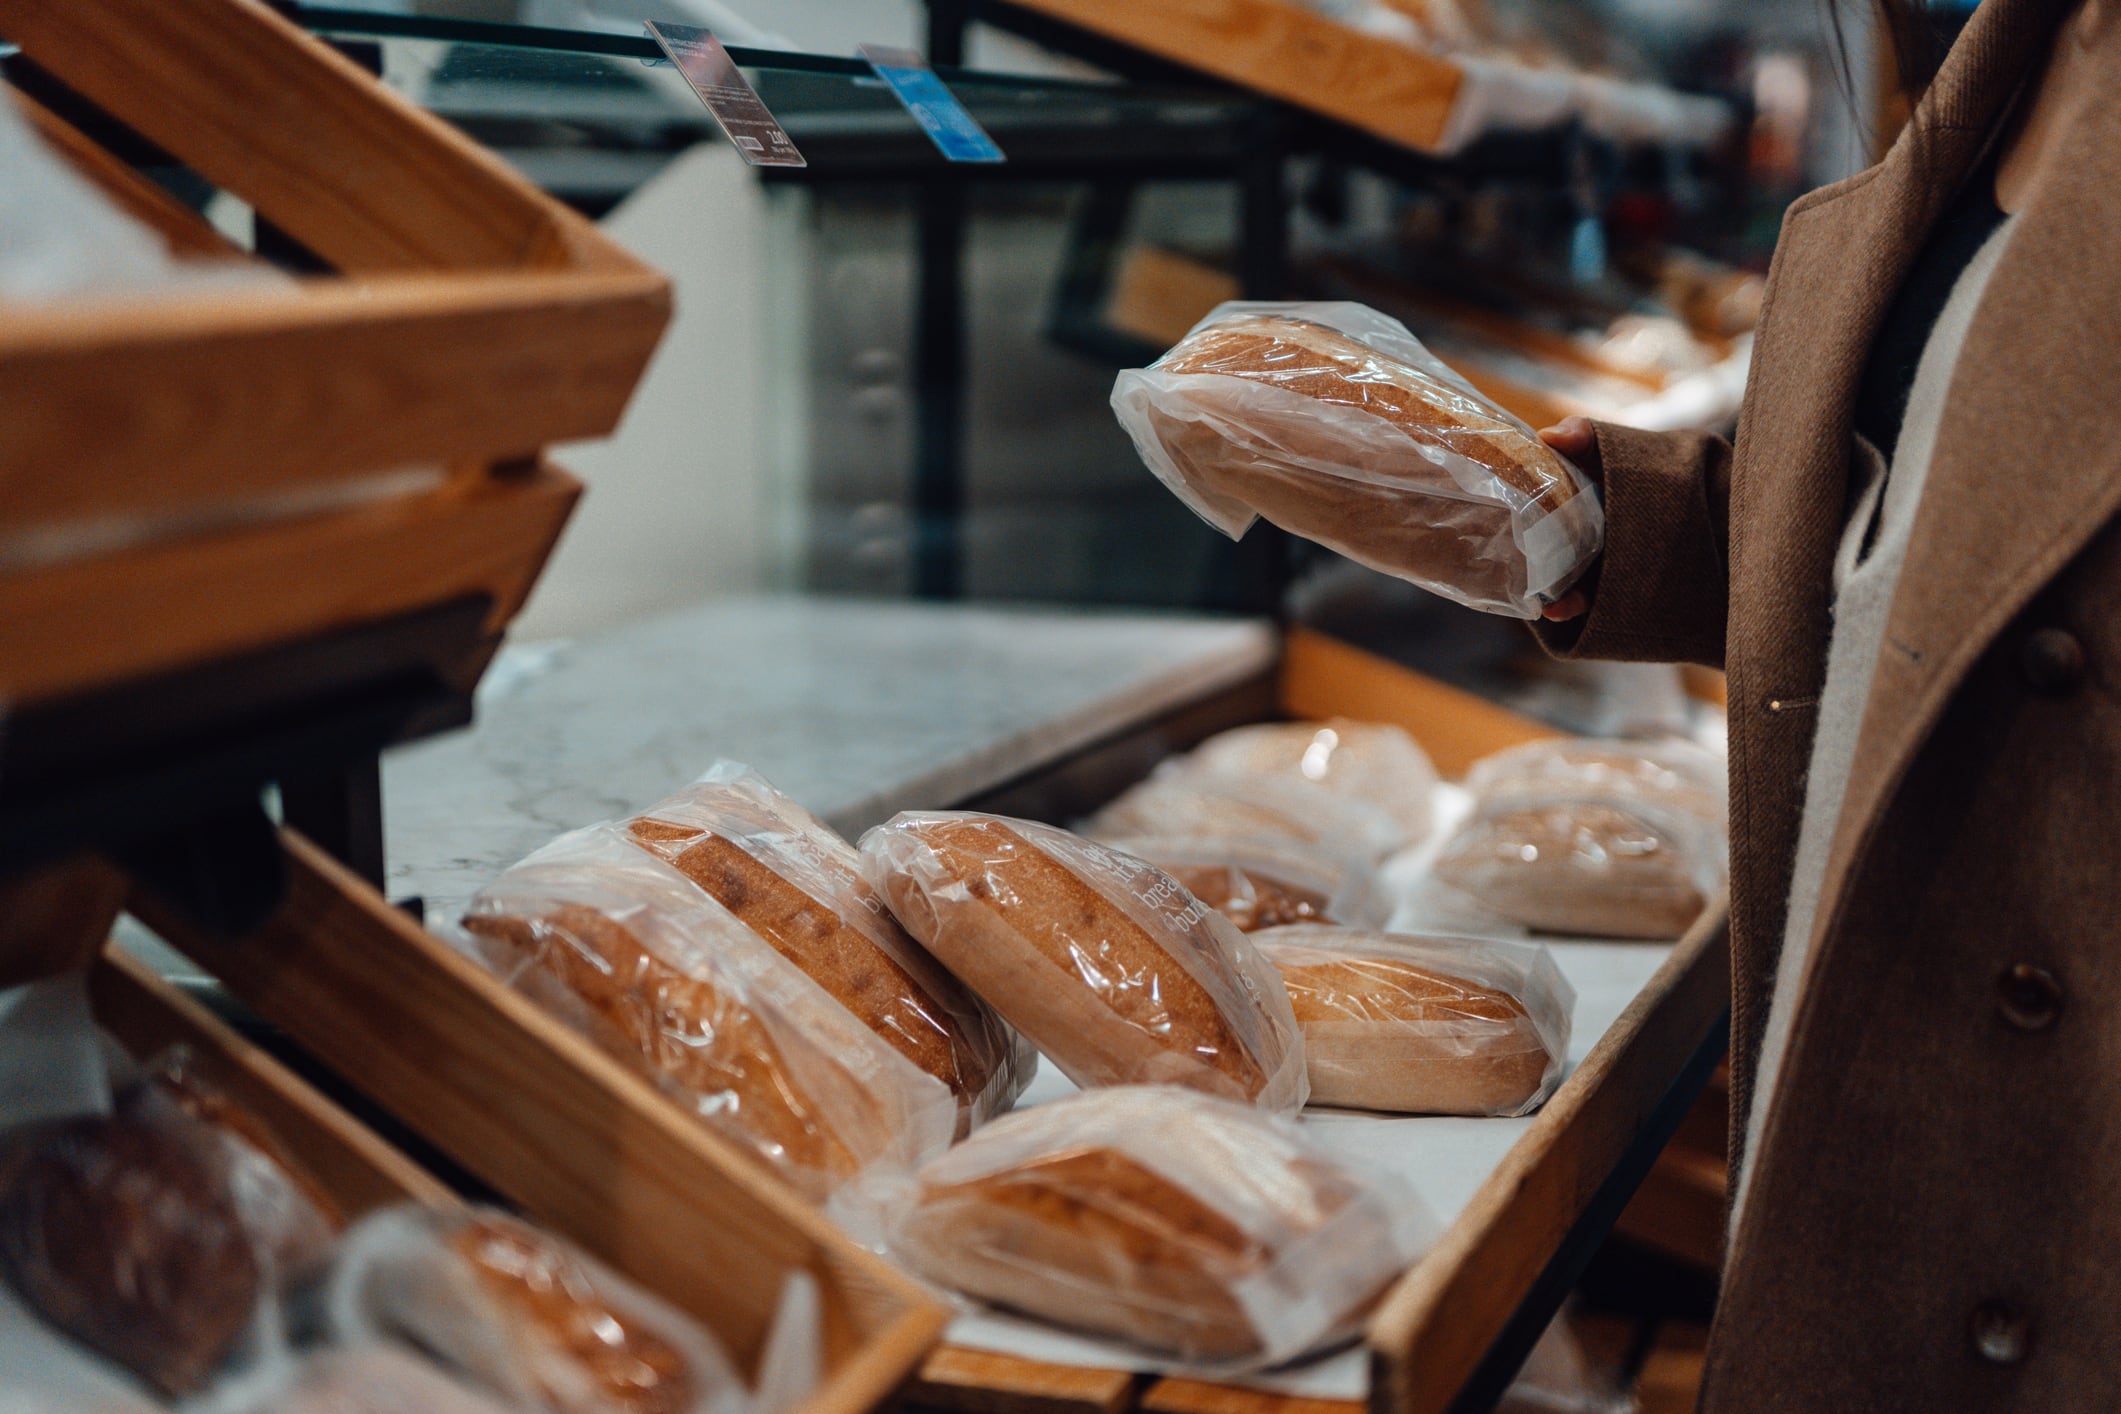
[1370, 761]
[789, 878]
[1334, 422]
[523, 1315]
[1193, 1226]
[1262, 883]
[1593, 839]
[1424, 1025]
[1182, 798]
[620, 945]
[1103, 961]
[153, 1234]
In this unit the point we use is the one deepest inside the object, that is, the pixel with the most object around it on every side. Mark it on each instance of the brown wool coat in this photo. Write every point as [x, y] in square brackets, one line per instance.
[1943, 1157]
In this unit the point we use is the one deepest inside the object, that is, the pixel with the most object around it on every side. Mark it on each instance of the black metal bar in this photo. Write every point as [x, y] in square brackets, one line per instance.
[939, 389]
[947, 22]
[1535, 1313]
[342, 811]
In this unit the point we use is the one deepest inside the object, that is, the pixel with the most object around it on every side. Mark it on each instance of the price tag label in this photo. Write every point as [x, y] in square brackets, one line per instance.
[955, 133]
[729, 96]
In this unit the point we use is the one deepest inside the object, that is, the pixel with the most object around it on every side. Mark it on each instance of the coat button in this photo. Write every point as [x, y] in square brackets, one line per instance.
[2029, 997]
[2052, 660]
[2001, 1333]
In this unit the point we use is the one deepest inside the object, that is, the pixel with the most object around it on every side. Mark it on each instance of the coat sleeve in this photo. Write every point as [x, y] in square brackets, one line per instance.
[1661, 590]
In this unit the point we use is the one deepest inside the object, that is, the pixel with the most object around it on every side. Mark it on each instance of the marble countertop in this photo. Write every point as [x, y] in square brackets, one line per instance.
[857, 708]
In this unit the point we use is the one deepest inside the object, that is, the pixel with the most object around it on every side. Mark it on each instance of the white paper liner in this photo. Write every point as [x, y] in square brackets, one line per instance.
[1123, 1031]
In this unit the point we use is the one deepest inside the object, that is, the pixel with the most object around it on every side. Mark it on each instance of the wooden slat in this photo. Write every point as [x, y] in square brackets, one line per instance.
[148, 1016]
[53, 921]
[539, 1113]
[1323, 677]
[353, 171]
[988, 1382]
[100, 620]
[1160, 294]
[1282, 49]
[156, 406]
[1204, 1397]
[181, 228]
[1438, 1322]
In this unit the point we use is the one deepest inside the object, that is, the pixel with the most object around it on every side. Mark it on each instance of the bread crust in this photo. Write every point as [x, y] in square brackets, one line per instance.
[1107, 1000]
[1576, 868]
[1390, 1034]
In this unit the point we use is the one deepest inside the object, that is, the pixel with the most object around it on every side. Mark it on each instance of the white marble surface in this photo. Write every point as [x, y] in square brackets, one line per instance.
[857, 708]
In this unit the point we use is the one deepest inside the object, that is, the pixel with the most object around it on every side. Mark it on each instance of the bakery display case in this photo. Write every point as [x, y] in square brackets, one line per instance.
[315, 879]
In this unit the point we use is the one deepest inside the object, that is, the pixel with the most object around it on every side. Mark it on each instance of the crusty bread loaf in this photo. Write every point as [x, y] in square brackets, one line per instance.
[920, 1010]
[578, 1351]
[1157, 990]
[679, 1030]
[1250, 898]
[1578, 868]
[150, 1234]
[1442, 539]
[1410, 1029]
[1192, 1225]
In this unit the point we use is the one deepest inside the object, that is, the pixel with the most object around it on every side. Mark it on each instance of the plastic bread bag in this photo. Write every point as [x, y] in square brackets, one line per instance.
[1369, 761]
[623, 947]
[1425, 1025]
[524, 1316]
[156, 1234]
[1259, 883]
[1619, 840]
[1332, 421]
[47, 1373]
[1183, 797]
[799, 886]
[1103, 961]
[1198, 1228]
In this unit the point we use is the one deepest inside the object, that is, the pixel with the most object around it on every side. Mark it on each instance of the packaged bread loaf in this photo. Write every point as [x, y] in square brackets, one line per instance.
[1593, 839]
[620, 945]
[521, 1314]
[1264, 883]
[1333, 422]
[1418, 1025]
[1184, 799]
[1105, 962]
[154, 1233]
[786, 876]
[1196, 1227]
[1366, 761]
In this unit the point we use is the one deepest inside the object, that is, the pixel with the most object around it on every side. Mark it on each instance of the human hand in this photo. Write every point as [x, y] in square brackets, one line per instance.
[1576, 439]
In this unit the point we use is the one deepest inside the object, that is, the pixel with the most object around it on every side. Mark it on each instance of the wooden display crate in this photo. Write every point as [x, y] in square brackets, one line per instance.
[469, 322]
[1438, 1324]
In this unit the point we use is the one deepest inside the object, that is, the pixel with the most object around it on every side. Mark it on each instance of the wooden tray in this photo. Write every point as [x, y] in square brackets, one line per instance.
[1438, 1324]
[470, 322]
[563, 1131]
[1281, 49]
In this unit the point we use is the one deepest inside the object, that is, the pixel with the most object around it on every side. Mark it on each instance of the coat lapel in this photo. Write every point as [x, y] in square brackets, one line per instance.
[2027, 468]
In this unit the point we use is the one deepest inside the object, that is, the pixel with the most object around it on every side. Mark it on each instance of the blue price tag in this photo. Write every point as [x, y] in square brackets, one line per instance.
[955, 133]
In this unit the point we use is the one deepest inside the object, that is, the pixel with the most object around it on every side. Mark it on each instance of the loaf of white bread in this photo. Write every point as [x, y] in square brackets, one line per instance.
[1105, 962]
[786, 876]
[1424, 1025]
[1614, 839]
[619, 944]
[1334, 422]
[1194, 1226]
